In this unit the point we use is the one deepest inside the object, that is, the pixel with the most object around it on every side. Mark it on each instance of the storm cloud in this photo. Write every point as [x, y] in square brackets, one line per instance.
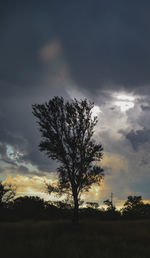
[139, 138]
[94, 49]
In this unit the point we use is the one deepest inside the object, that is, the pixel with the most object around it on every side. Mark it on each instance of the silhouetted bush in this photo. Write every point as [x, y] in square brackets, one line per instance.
[134, 208]
[35, 208]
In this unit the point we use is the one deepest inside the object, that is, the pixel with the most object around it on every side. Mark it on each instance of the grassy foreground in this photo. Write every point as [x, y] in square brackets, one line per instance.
[90, 239]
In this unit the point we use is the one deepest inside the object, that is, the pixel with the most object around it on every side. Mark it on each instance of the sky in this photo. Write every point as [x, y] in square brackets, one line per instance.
[99, 50]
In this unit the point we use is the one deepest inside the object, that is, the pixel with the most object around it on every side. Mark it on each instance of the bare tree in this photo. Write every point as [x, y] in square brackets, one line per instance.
[67, 129]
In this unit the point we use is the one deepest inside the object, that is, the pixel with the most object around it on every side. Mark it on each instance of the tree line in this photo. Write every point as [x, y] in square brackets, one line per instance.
[13, 208]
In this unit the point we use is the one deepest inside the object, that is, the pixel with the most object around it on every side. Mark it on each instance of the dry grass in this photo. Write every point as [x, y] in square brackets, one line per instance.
[90, 239]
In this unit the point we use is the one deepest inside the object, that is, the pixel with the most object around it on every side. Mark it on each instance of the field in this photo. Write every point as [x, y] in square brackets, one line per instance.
[90, 239]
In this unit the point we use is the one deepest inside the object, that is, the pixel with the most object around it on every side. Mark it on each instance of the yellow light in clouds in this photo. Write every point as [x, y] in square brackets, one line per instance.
[114, 161]
[27, 185]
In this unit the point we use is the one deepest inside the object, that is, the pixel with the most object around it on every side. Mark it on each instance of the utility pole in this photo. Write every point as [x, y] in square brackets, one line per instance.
[111, 199]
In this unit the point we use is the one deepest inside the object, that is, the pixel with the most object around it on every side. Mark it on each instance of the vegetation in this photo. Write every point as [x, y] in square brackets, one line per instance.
[90, 239]
[35, 208]
[7, 194]
[32, 227]
[67, 129]
[135, 208]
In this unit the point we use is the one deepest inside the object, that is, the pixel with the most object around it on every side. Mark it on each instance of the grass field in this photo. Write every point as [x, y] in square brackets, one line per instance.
[90, 239]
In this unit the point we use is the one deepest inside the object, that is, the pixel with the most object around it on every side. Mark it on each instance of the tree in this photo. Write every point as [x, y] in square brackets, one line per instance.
[133, 207]
[67, 129]
[7, 193]
[29, 207]
[109, 204]
[92, 205]
[62, 205]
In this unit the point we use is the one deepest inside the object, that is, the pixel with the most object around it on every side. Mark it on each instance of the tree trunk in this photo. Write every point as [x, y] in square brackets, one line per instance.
[76, 207]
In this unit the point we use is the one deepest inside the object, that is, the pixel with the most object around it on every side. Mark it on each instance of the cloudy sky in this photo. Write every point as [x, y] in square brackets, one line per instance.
[94, 49]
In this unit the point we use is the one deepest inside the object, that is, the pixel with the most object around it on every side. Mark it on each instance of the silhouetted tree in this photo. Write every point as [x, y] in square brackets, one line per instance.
[7, 193]
[62, 205]
[133, 202]
[111, 212]
[109, 204]
[29, 207]
[67, 129]
[92, 205]
[133, 207]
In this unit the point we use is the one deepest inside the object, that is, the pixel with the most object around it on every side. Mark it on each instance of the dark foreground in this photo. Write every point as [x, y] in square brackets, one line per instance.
[90, 239]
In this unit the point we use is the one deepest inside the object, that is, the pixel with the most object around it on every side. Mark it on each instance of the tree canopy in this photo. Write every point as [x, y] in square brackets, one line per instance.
[7, 193]
[67, 136]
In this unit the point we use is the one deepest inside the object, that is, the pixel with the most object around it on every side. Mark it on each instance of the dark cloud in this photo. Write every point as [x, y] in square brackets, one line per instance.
[19, 130]
[2, 150]
[105, 45]
[26, 171]
[139, 138]
[144, 162]
[145, 108]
